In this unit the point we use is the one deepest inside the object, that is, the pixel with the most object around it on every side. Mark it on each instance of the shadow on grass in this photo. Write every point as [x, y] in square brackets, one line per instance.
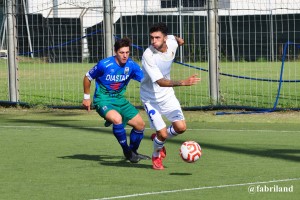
[72, 124]
[180, 174]
[283, 154]
[109, 160]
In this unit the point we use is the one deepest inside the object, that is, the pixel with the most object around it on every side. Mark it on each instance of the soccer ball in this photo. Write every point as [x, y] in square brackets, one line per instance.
[190, 151]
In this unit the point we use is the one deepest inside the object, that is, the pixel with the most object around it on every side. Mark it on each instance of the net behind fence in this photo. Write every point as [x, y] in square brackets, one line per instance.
[59, 41]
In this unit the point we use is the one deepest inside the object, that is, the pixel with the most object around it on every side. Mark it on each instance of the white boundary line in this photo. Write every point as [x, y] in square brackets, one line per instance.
[191, 129]
[199, 188]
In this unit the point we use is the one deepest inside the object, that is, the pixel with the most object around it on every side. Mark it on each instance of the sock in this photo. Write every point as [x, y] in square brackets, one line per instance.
[171, 132]
[157, 146]
[135, 139]
[120, 133]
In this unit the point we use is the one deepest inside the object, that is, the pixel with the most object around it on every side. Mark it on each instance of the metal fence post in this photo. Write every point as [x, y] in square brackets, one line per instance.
[12, 52]
[108, 29]
[213, 51]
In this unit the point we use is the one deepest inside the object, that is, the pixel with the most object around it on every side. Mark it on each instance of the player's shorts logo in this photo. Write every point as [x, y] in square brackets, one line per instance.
[104, 108]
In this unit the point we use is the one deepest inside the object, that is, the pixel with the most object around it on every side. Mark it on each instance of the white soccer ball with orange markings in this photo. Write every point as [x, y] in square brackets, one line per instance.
[190, 151]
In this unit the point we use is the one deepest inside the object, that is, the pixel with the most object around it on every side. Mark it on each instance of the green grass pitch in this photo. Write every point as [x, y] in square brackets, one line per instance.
[69, 155]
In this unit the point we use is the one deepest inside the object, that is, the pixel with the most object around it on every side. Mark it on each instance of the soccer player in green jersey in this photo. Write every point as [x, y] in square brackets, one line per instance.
[112, 76]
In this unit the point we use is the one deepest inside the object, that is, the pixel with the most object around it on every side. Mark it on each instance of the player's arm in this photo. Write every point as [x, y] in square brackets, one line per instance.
[86, 102]
[138, 74]
[192, 80]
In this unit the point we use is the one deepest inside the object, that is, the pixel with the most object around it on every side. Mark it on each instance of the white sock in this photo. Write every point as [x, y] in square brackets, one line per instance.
[157, 146]
[171, 132]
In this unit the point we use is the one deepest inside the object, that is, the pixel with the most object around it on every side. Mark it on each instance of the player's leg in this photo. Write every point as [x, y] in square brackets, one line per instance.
[107, 123]
[132, 117]
[119, 132]
[137, 122]
[172, 111]
[174, 114]
[159, 149]
[157, 123]
[177, 127]
[114, 117]
[160, 138]
[112, 114]
[137, 134]
[118, 129]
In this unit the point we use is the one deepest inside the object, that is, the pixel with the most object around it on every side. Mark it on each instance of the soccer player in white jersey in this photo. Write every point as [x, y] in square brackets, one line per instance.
[157, 92]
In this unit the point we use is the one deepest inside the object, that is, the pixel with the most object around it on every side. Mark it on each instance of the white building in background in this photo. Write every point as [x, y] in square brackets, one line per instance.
[91, 11]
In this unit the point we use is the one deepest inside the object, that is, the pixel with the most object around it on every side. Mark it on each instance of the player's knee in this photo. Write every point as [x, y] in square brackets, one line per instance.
[180, 128]
[117, 120]
[140, 126]
[162, 137]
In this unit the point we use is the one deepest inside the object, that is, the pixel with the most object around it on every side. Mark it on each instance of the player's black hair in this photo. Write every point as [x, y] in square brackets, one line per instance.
[124, 42]
[162, 27]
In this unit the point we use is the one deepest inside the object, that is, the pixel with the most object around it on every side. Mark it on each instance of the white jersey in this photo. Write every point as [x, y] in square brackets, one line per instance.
[157, 65]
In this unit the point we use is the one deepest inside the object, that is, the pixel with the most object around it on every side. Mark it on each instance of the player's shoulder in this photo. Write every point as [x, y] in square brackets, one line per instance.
[171, 37]
[150, 51]
[106, 62]
[131, 62]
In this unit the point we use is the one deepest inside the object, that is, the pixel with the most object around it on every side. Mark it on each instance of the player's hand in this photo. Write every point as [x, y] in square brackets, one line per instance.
[179, 40]
[192, 80]
[86, 104]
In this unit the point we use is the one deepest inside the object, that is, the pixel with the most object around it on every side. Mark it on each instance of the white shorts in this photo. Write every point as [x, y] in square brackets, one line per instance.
[170, 109]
